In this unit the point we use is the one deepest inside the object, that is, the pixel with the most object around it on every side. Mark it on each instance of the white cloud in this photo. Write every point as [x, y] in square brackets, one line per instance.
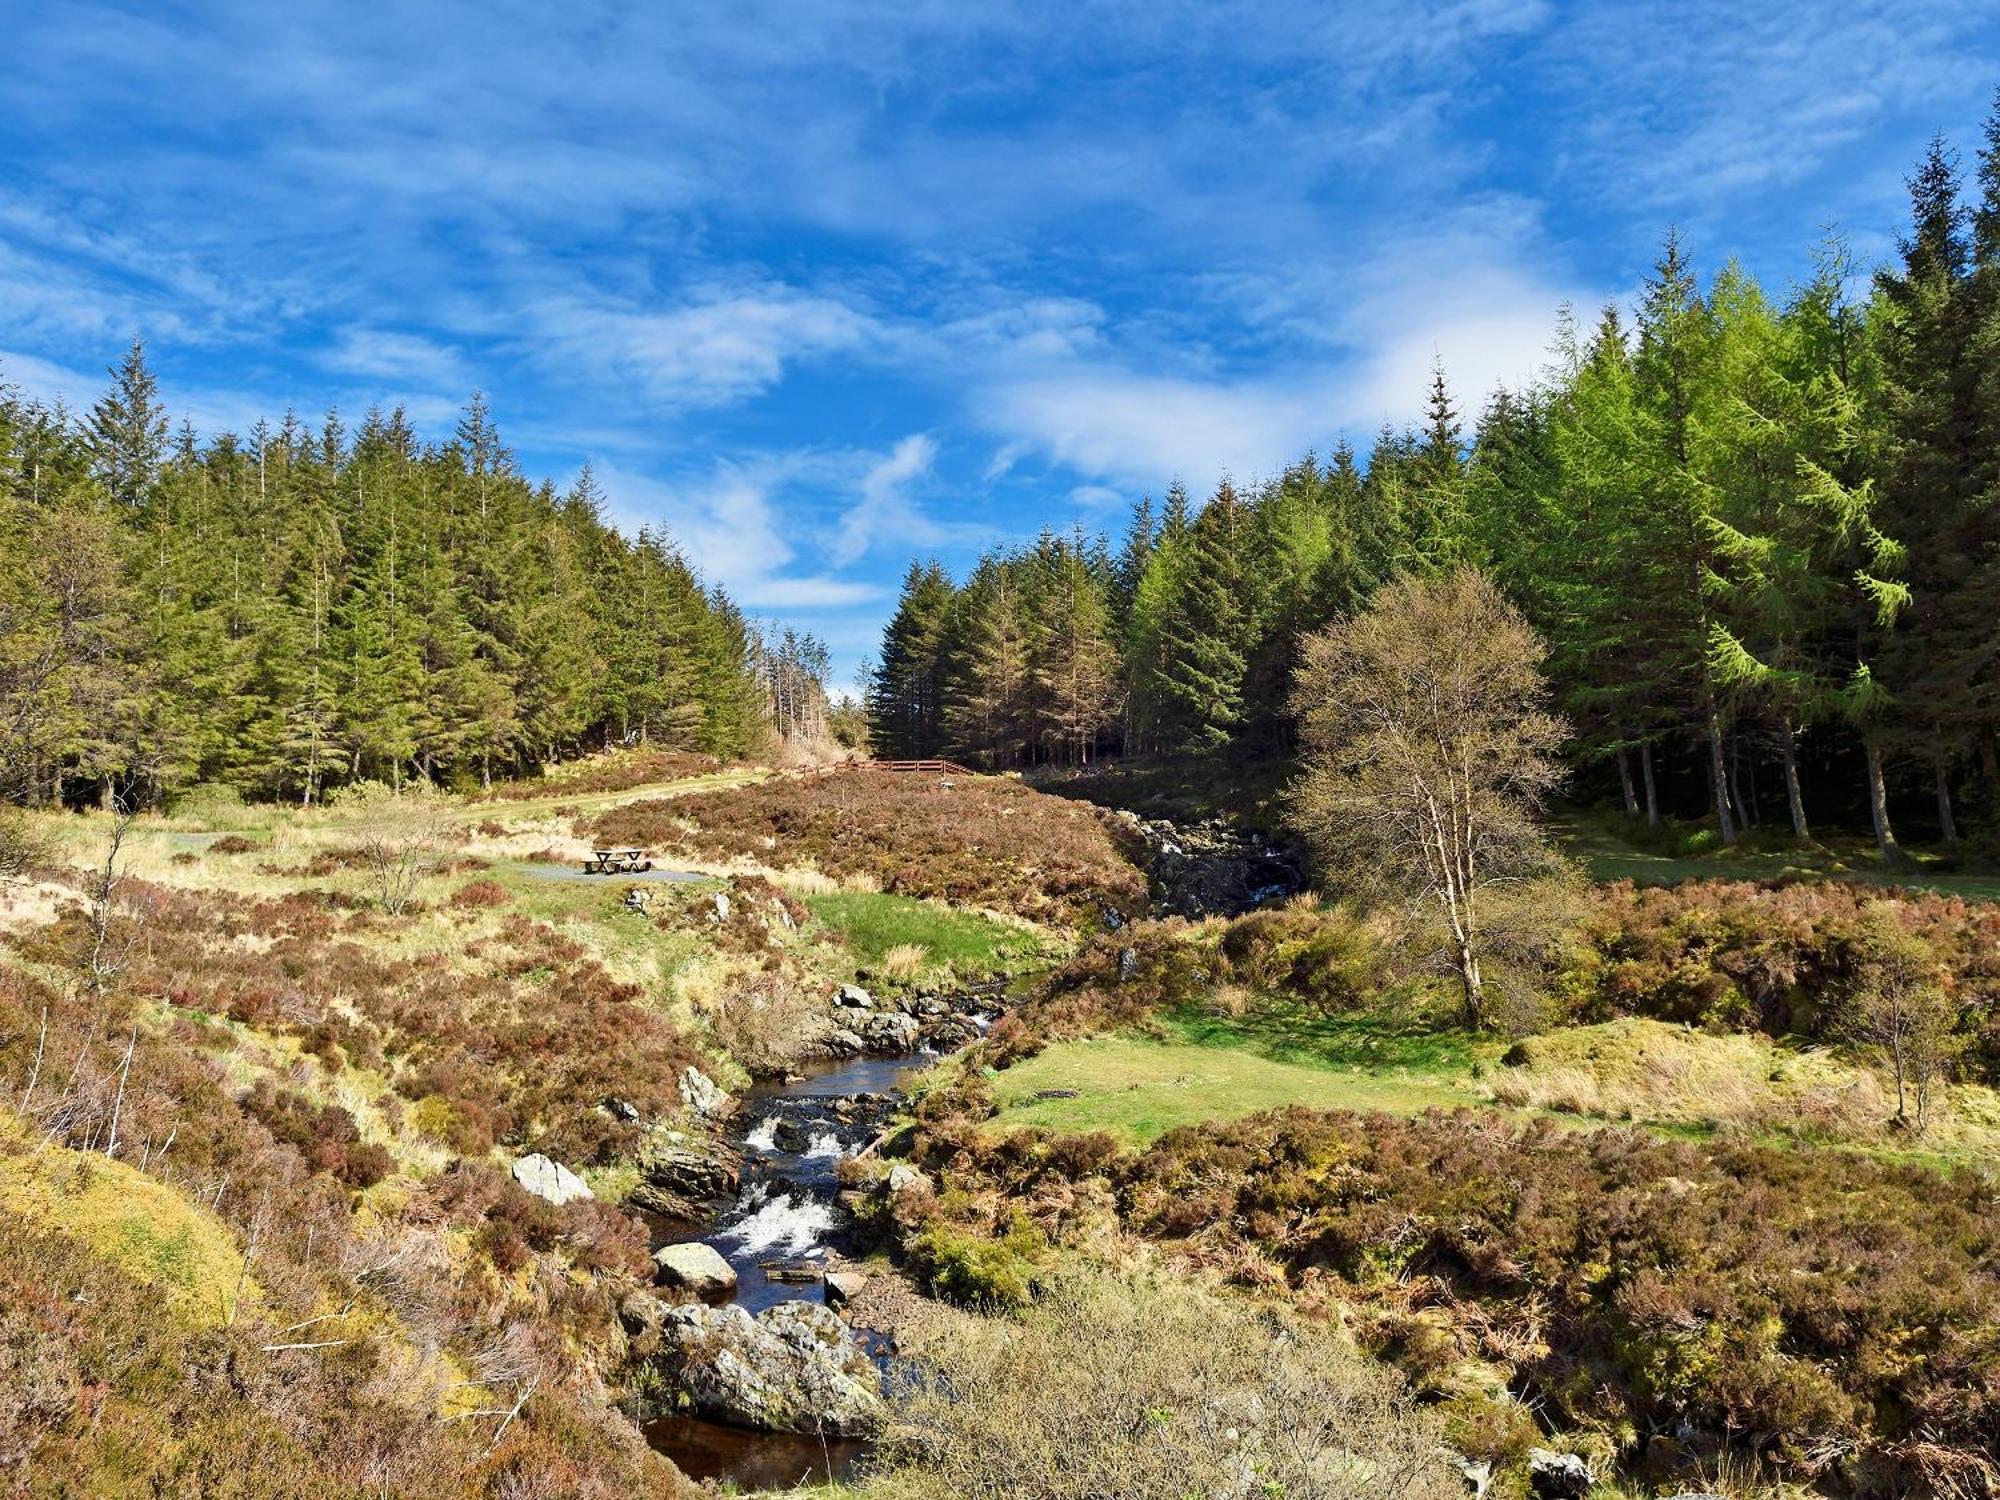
[719, 348]
[885, 515]
[731, 533]
[385, 354]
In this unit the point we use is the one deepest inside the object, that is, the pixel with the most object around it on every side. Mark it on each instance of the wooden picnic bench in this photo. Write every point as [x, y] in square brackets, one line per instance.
[617, 862]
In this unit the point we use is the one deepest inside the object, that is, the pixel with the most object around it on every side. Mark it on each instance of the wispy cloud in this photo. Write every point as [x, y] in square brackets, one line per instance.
[715, 349]
[827, 282]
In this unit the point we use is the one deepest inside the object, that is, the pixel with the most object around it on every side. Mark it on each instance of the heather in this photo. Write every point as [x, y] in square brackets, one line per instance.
[980, 842]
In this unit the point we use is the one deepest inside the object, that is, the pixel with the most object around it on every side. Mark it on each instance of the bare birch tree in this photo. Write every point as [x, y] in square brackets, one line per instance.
[1428, 749]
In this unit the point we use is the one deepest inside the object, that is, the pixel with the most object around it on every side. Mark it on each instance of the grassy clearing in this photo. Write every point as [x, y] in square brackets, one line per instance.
[1206, 1069]
[875, 926]
[1688, 853]
[1671, 1079]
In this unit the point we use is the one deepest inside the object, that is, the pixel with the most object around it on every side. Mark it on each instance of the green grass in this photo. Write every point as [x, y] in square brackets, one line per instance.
[1685, 852]
[871, 924]
[1210, 1068]
[1670, 1080]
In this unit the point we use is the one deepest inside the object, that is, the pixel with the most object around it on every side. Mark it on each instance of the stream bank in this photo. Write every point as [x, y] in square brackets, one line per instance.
[781, 1233]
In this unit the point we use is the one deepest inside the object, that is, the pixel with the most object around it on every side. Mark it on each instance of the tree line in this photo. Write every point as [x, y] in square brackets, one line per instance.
[1760, 536]
[294, 609]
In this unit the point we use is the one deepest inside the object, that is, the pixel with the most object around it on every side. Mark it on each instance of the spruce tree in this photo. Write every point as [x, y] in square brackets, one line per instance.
[128, 430]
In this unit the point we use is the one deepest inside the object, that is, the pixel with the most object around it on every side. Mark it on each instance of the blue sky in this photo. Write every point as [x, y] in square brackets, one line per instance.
[820, 285]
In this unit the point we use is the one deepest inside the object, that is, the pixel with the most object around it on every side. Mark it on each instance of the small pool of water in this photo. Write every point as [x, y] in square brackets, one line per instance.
[753, 1460]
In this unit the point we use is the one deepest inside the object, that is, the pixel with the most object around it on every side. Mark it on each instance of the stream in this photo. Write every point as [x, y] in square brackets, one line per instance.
[776, 1235]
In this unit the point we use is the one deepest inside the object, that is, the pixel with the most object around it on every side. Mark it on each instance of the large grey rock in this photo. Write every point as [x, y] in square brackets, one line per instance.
[853, 997]
[702, 1094]
[840, 1042]
[888, 1031]
[793, 1368]
[549, 1180]
[1557, 1476]
[680, 1170]
[694, 1267]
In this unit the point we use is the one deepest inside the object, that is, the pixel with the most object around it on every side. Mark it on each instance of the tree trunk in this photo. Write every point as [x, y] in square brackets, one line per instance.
[1744, 819]
[1946, 823]
[1989, 760]
[1625, 784]
[1794, 797]
[1878, 804]
[1468, 977]
[1652, 791]
[1718, 776]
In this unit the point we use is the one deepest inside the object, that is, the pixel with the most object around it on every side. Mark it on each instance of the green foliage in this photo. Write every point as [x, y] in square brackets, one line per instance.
[297, 610]
[974, 1270]
[873, 923]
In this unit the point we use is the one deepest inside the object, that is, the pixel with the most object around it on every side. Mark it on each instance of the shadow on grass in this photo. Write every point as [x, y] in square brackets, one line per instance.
[1294, 1034]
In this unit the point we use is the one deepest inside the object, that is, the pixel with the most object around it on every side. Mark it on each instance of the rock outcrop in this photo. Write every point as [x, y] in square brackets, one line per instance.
[1557, 1476]
[679, 1171]
[792, 1368]
[703, 1094]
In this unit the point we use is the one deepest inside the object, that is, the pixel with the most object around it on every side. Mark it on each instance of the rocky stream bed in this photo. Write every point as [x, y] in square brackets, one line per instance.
[766, 1382]
[760, 1379]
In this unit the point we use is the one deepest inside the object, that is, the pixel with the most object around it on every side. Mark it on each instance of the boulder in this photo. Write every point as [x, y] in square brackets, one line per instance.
[694, 1267]
[841, 1042]
[790, 1135]
[720, 906]
[678, 1169]
[622, 1109]
[888, 1031]
[549, 1180]
[1557, 1476]
[793, 1368]
[853, 997]
[701, 1093]
[842, 1287]
[903, 1177]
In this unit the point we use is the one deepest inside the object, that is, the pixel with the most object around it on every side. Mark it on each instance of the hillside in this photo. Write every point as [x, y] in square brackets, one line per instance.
[266, 1100]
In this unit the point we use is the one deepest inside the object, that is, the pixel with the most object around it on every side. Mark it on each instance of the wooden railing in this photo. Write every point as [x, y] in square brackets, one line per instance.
[928, 767]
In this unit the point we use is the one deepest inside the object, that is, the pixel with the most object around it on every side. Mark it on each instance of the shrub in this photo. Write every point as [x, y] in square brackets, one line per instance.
[480, 893]
[976, 1271]
[1155, 1392]
[1829, 1303]
[231, 843]
[1739, 956]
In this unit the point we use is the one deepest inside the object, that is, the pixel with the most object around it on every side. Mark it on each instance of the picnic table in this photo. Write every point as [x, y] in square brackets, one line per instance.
[617, 862]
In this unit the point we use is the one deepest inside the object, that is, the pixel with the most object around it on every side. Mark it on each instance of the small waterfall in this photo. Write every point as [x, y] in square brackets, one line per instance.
[778, 1221]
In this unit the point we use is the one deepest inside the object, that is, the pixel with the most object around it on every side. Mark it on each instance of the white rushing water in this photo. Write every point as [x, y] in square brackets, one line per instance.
[824, 1147]
[765, 1136]
[778, 1221]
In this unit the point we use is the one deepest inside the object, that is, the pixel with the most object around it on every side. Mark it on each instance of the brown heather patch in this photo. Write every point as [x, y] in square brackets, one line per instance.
[988, 842]
[462, 1276]
[1739, 956]
[1810, 1304]
[616, 772]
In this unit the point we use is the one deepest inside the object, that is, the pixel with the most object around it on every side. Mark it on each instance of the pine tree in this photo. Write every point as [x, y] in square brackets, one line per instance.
[905, 699]
[128, 430]
[1075, 666]
[1206, 640]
